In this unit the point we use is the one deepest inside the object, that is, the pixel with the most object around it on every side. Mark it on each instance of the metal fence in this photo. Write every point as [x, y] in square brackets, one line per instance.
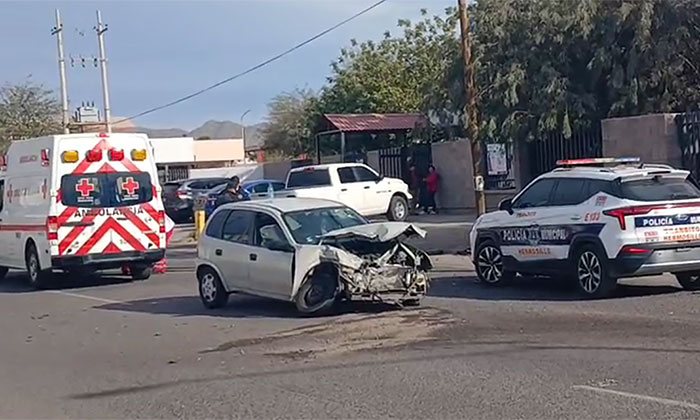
[394, 161]
[688, 126]
[544, 152]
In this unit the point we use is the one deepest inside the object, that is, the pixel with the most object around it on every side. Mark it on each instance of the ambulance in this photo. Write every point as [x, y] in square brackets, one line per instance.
[80, 203]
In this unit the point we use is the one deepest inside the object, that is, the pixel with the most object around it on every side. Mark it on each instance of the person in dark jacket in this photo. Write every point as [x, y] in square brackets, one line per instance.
[231, 194]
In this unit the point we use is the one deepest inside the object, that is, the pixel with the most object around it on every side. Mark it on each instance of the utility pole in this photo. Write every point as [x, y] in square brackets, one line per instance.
[470, 108]
[58, 31]
[101, 29]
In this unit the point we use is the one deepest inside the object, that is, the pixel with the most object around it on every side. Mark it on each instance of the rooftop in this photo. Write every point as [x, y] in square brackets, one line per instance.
[374, 122]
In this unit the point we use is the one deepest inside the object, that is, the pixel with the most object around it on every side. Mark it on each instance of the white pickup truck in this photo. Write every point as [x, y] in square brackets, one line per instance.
[353, 184]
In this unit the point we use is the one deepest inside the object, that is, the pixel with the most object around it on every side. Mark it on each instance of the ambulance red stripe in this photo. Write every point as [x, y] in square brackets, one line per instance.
[143, 227]
[23, 228]
[109, 224]
[135, 243]
[73, 234]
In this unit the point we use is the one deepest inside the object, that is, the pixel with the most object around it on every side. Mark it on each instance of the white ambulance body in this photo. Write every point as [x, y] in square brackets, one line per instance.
[79, 203]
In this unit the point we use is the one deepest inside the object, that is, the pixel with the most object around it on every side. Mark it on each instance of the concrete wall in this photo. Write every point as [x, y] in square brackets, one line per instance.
[453, 161]
[652, 137]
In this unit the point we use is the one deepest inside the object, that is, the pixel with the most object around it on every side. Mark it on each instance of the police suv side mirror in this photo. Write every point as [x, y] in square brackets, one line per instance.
[506, 205]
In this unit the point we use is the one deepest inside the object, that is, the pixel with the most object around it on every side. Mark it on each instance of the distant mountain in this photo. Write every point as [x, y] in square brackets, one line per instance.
[218, 130]
[211, 129]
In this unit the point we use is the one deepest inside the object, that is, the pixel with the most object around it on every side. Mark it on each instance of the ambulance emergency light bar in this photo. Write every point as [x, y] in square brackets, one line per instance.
[599, 161]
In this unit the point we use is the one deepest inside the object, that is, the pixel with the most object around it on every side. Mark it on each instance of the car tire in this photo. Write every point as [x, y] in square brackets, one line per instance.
[38, 278]
[141, 272]
[398, 209]
[319, 293]
[211, 290]
[591, 273]
[689, 281]
[410, 302]
[488, 261]
[3, 272]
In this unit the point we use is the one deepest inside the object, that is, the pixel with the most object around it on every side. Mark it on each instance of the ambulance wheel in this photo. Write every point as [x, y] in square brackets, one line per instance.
[141, 272]
[211, 290]
[3, 272]
[689, 281]
[38, 278]
[489, 265]
[591, 272]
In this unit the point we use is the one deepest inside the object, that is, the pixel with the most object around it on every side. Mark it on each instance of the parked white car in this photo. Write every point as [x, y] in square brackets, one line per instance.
[353, 184]
[312, 252]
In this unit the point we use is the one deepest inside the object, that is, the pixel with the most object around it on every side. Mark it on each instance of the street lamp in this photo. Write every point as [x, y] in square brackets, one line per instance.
[243, 126]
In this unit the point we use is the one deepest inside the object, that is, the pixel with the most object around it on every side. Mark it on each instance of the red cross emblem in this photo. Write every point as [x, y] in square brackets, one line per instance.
[85, 187]
[130, 186]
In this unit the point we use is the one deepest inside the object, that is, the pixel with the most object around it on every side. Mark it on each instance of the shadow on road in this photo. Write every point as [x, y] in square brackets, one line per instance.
[532, 288]
[18, 283]
[239, 306]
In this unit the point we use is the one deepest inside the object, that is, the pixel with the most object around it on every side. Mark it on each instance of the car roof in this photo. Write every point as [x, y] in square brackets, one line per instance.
[613, 172]
[326, 166]
[284, 205]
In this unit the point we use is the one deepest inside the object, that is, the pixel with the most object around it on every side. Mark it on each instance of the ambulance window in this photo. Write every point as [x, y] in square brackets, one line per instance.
[2, 194]
[106, 189]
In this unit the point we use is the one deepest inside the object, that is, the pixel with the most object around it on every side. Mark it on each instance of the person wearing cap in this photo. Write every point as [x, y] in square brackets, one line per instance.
[232, 193]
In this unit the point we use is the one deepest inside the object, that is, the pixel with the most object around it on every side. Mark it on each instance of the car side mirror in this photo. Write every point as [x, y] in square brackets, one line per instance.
[379, 178]
[506, 205]
[280, 246]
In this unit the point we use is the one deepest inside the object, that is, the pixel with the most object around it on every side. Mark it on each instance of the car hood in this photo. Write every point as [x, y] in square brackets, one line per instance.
[379, 232]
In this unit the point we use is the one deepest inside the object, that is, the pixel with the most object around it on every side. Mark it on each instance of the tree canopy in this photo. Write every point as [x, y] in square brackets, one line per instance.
[27, 110]
[541, 65]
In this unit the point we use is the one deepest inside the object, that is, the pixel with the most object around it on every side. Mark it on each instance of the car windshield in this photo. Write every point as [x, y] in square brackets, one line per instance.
[660, 189]
[308, 226]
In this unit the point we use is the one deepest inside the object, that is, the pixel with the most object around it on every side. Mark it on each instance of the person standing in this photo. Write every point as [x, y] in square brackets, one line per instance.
[432, 184]
[233, 193]
[414, 186]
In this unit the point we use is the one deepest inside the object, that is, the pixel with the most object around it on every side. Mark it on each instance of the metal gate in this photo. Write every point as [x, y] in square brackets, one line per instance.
[545, 152]
[394, 161]
[688, 125]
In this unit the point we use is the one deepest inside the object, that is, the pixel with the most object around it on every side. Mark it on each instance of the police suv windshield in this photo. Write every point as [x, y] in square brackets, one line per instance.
[659, 188]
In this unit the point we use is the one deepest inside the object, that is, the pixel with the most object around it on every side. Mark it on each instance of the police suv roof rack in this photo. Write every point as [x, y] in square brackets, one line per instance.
[569, 163]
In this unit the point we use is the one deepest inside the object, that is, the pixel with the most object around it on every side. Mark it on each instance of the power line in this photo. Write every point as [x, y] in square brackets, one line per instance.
[256, 67]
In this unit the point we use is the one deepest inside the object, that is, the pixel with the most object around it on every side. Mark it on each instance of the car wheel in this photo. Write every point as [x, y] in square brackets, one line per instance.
[211, 290]
[319, 293]
[689, 281]
[141, 272]
[489, 265]
[591, 273]
[410, 302]
[38, 278]
[398, 209]
[3, 272]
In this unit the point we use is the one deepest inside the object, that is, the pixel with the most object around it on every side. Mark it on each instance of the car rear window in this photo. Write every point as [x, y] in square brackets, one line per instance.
[116, 189]
[659, 188]
[309, 178]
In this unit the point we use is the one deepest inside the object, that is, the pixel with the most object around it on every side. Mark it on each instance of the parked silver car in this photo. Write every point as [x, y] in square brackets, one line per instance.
[309, 251]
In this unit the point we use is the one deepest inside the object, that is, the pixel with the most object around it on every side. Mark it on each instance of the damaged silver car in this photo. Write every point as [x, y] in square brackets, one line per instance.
[312, 252]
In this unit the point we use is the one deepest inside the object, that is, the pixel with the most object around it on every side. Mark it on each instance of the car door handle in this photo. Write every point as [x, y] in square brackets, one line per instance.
[343, 189]
[253, 257]
[367, 187]
[219, 252]
[575, 217]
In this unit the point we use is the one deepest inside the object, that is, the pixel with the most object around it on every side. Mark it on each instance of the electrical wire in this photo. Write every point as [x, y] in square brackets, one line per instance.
[254, 68]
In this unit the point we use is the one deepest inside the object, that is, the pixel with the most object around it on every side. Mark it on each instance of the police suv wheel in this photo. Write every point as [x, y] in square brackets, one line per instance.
[38, 278]
[591, 273]
[689, 281]
[211, 290]
[489, 265]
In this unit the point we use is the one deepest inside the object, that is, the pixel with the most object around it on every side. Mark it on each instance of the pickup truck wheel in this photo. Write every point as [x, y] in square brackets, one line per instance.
[398, 209]
[319, 293]
[38, 278]
[689, 281]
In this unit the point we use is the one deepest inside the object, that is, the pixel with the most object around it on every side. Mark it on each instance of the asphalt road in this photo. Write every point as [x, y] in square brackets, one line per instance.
[111, 349]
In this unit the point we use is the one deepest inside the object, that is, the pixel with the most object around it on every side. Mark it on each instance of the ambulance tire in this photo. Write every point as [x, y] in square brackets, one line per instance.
[38, 278]
[141, 272]
[3, 272]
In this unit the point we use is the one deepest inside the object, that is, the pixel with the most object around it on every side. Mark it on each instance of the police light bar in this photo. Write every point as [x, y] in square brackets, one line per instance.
[597, 161]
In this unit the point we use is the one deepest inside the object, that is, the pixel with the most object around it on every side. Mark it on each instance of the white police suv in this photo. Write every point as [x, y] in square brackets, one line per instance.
[594, 220]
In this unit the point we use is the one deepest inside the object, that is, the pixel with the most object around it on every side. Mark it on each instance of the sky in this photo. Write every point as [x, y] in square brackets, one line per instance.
[161, 50]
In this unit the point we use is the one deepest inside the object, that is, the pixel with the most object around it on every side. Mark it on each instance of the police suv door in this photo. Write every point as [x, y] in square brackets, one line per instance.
[570, 217]
[520, 235]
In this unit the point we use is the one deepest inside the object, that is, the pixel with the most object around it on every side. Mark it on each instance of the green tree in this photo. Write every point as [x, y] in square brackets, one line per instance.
[290, 124]
[27, 110]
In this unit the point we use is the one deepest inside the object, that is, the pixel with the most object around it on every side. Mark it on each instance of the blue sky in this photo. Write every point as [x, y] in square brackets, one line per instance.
[161, 50]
